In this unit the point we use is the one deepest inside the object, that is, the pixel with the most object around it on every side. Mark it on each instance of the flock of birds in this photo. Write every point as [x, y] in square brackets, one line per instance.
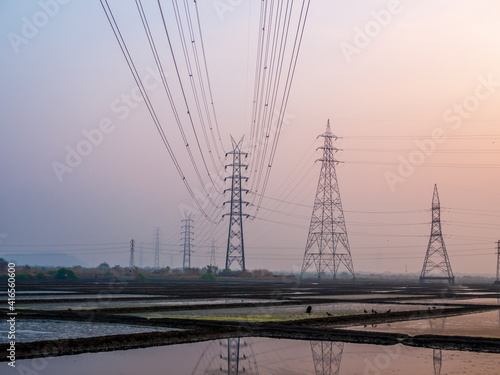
[309, 310]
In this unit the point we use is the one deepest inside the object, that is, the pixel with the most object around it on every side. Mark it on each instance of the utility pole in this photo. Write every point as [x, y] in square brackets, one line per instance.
[140, 254]
[436, 257]
[186, 259]
[131, 264]
[235, 245]
[157, 248]
[327, 242]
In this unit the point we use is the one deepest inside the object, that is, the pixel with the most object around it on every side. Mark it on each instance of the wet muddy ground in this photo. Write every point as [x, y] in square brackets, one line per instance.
[124, 316]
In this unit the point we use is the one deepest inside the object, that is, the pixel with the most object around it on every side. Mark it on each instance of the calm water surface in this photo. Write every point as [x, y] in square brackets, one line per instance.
[267, 356]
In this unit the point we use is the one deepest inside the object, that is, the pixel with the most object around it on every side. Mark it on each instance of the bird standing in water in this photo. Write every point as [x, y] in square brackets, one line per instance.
[309, 309]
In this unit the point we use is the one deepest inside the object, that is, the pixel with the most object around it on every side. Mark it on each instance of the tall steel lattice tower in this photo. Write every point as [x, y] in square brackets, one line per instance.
[327, 357]
[327, 243]
[212, 255]
[186, 258]
[131, 263]
[436, 258]
[235, 246]
[157, 248]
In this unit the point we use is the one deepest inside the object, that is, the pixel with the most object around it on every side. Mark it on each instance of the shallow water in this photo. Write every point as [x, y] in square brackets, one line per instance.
[108, 303]
[485, 324]
[79, 296]
[360, 296]
[462, 301]
[41, 330]
[267, 356]
[33, 293]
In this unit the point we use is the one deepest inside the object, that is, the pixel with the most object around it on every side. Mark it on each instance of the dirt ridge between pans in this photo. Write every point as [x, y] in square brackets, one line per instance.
[322, 329]
[143, 340]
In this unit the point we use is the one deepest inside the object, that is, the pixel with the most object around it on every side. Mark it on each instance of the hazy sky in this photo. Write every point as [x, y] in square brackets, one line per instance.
[425, 77]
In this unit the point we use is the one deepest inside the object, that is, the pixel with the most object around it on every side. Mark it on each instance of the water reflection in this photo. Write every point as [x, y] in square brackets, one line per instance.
[437, 328]
[234, 356]
[273, 356]
[327, 357]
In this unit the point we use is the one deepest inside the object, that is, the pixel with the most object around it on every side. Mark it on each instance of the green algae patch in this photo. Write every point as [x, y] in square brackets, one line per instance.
[255, 318]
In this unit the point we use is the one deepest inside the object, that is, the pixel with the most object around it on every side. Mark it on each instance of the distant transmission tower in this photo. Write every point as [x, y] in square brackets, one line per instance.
[327, 243]
[157, 248]
[186, 259]
[140, 254]
[235, 246]
[131, 264]
[327, 357]
[436, 257]
[212, 255]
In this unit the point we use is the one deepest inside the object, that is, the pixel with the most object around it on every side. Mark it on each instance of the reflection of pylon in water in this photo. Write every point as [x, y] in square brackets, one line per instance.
[327, 357]
[437, 326]
[437, 360]
[234, 355]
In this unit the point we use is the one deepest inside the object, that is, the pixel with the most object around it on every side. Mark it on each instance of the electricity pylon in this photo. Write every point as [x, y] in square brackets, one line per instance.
[212, 254]
[186, 259]
[327, 357]
[235, 245]
[436, 258]
[131, 264]
[157, 248]
[327, 242]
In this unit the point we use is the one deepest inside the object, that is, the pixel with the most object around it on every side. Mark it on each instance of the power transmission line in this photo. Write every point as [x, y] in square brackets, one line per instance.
[121, 42]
